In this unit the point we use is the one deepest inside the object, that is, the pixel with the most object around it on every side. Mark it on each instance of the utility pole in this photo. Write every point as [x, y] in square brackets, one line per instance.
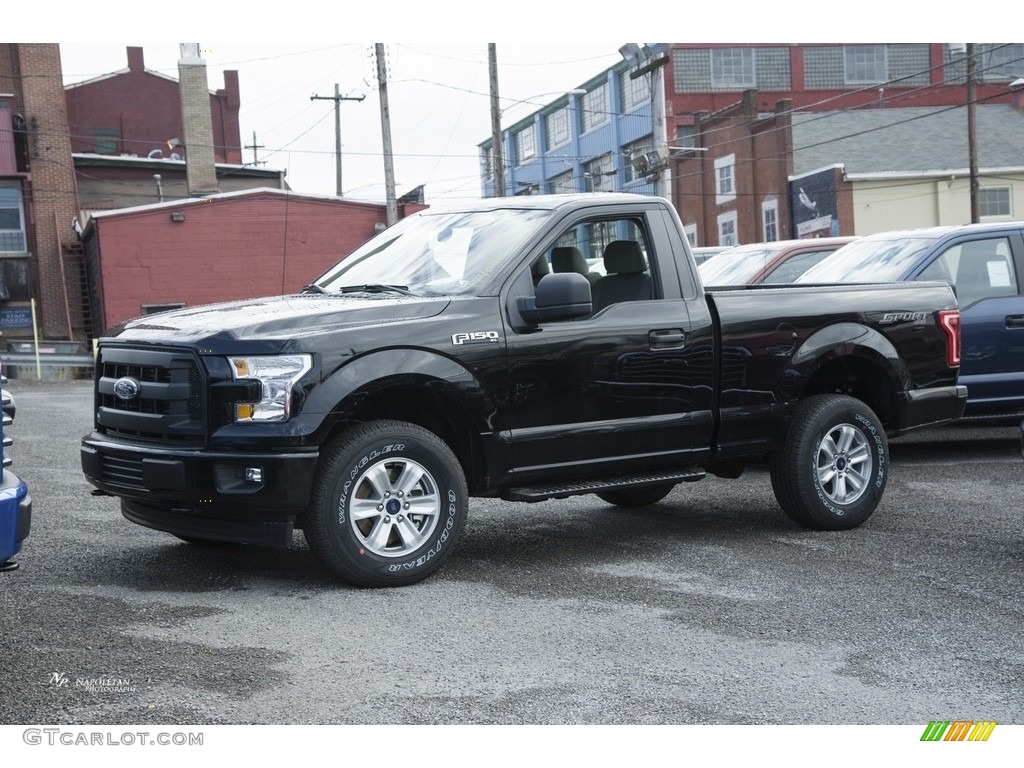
[337, 98]
[497, 153]
[972, 133]
[385, 129]
[254, 146]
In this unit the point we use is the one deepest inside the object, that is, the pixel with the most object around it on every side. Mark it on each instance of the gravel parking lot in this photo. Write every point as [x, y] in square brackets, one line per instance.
[710, 608]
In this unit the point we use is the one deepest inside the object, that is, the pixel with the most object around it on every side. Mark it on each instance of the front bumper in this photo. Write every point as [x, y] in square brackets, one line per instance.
[931, 407]
[243, 497]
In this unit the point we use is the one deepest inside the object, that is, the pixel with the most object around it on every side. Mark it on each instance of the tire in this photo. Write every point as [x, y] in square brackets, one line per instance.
[389, 502]
[832, 470]
[640, 496]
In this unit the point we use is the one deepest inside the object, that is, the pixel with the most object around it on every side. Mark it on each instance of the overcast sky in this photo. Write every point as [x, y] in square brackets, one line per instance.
[438, 91]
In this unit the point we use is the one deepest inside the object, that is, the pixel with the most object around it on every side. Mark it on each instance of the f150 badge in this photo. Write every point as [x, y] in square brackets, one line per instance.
[475, 337]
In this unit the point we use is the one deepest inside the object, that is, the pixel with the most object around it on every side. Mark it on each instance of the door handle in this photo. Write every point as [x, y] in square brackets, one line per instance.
[669, 338]
[1015, 321]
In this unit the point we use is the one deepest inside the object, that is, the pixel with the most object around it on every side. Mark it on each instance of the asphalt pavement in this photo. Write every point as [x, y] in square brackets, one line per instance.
[709, 608]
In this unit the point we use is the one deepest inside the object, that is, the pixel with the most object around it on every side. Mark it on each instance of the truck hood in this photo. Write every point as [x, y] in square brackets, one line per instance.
[274, 320]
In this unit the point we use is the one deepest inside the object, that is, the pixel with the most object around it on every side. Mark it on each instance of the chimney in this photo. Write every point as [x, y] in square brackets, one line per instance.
[135, 61]
[200, 164]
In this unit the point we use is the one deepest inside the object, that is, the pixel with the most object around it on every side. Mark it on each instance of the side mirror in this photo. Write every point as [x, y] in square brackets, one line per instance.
[559, 296]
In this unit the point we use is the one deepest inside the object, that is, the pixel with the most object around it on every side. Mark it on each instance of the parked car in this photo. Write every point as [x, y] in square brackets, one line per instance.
[15, 502]
[702, 253]
[983, 263]
[776, 262]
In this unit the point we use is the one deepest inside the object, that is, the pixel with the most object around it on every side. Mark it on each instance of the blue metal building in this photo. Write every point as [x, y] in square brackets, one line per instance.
[597, 138]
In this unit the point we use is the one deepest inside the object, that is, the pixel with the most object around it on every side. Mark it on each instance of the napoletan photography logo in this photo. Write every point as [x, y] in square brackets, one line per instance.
[958, 730]
[101, 684]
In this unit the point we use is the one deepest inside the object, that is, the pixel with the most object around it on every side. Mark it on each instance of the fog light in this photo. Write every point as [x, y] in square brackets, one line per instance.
[254, 474]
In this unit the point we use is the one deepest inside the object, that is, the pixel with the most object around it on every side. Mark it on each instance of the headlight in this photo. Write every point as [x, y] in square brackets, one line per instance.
[277, 375]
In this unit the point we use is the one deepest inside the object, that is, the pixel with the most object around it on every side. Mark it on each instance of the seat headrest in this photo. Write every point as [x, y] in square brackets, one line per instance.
[569, 259]
[624, 257]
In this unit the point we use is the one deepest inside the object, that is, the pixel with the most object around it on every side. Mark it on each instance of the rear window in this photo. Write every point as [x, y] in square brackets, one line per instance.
[869, 261]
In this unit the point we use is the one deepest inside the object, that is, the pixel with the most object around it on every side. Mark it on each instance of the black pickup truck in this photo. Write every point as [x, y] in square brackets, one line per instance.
[470, 352]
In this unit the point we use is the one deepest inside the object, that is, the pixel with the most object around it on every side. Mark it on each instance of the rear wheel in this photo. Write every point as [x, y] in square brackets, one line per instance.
[832, 470]
[389, 502]
[640, 496]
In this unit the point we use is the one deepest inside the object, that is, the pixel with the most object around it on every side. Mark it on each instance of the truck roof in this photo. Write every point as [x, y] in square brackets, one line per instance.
[544, 202]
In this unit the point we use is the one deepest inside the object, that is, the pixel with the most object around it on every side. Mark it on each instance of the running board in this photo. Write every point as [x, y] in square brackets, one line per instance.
[565, 490]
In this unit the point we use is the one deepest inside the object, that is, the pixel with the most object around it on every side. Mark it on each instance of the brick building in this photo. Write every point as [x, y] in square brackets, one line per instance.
[236, 245]
[136, 111]
[38, 198]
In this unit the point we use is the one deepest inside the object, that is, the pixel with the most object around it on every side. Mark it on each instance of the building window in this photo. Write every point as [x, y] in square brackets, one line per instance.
[685, 136]
[636, 154]
[594, 108]
[725, 182]
[691, 234]
[1000, 62]
[994, 201]
[105, 141]
[733, 68]
[599, 173]
[770, 219]
[727, 229]
[865, 64]
[556, 126]
[635, 90]
[526, 145]
[12, 218]
[562, 184]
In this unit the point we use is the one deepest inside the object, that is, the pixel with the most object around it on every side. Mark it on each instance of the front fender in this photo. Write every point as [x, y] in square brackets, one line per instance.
[373, 372]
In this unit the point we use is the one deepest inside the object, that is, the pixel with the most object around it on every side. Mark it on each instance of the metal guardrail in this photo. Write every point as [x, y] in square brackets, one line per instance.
[22, 360]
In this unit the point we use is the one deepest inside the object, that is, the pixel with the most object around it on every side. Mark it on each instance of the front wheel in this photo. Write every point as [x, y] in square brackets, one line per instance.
[832, 469]
[389, 502]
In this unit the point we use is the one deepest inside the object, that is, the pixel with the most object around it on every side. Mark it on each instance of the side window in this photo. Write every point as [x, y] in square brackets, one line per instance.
[613, 254]
[977, 270]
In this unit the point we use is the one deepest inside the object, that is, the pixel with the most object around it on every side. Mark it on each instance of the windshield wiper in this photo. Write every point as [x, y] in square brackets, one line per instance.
[312, 288]
[376, 288]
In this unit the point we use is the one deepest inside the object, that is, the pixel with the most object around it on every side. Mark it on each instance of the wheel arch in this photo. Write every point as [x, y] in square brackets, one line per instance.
[417, 387]
[853, 359]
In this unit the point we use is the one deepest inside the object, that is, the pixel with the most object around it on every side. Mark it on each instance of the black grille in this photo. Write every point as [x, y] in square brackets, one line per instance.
[169, 404]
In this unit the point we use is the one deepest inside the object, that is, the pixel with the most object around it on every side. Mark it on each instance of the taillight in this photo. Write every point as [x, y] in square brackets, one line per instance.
[949, 321]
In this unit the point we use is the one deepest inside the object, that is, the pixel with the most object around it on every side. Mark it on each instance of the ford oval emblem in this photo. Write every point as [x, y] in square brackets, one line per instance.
[127, 388]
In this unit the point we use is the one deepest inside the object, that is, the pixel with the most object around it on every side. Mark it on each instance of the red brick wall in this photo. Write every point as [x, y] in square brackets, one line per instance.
[226, 249]
[762, 165]
[51, 198]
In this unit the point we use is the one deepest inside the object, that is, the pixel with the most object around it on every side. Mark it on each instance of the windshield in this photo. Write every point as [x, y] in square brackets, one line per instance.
[736, 266]
[433, 254]
[870, 260]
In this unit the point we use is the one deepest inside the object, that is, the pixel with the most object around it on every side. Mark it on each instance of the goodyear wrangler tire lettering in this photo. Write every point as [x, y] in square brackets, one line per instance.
[389, 501]
[831, 471]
